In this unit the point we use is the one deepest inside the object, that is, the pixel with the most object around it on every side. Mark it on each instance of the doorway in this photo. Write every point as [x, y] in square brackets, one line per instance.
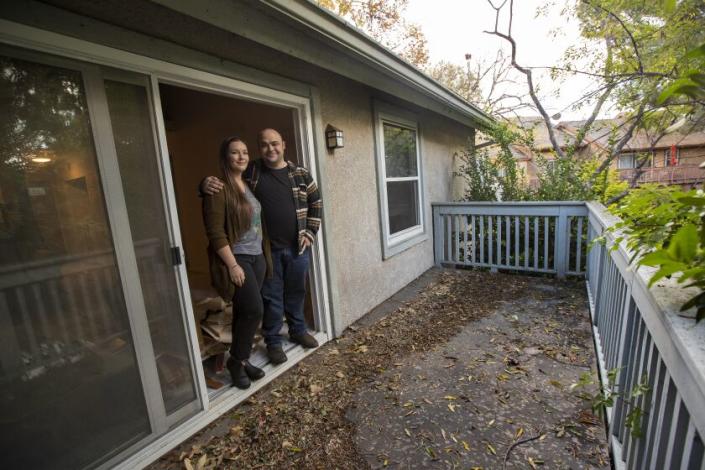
[195, 123]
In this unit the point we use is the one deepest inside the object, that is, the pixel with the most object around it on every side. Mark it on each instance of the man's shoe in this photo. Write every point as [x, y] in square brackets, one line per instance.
[305, 340]
[238, 374]
[276, 354]
[253, 372]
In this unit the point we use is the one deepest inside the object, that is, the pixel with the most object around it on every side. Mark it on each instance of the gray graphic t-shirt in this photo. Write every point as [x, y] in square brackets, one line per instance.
[250, 243]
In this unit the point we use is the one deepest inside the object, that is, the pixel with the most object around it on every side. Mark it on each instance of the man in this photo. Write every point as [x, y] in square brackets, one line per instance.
[292, 207]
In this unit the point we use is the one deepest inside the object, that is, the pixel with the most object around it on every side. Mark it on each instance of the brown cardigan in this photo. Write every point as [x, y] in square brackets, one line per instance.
[220, 233]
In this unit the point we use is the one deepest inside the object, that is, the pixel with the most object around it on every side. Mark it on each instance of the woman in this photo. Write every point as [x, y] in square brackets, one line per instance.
[234, 228]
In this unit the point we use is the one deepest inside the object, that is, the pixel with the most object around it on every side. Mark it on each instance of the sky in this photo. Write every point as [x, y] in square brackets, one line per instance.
[454, 28]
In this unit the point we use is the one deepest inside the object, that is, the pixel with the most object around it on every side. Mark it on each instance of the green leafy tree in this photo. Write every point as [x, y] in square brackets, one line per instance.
[491, 177]
[665, 228]
[647, 48]
[383, 20]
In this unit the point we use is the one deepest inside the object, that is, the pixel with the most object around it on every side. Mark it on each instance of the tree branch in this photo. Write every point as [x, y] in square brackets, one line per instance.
[599, 75]
[624, 26]
[620, 143]
[527, 73]
[596, 110]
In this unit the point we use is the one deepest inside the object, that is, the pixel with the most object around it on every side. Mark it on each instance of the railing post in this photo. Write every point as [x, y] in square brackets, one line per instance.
[560, 254]
[437, 236]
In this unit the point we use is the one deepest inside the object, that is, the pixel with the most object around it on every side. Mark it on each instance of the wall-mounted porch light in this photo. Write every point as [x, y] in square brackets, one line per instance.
[334, 138]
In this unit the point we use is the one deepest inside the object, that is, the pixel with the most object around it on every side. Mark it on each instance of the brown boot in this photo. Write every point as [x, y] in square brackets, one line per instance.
[305, 340]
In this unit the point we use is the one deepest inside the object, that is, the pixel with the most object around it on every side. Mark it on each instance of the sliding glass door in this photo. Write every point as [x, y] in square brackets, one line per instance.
[94, 355]
[129, 105]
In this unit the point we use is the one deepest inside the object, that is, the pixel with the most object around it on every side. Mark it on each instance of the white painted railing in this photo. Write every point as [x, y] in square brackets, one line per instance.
[543, 237]
[638, 331]
[640, 335]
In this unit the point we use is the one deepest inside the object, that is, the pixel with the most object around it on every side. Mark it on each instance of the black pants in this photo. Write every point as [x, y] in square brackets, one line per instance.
[247, 305]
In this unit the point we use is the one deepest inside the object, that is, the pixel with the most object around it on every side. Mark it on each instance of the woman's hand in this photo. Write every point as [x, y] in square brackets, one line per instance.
[237, 275]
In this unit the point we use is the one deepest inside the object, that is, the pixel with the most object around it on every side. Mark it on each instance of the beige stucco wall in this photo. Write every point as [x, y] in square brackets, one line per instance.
[363, 278]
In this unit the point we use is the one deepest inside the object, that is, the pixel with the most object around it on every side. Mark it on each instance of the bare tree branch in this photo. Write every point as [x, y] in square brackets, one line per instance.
[600, 75]
[527, 72]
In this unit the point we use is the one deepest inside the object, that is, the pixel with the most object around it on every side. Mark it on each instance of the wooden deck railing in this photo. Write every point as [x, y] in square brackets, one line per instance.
[638, 332]
[640, 335]
[542, 237]
[679, 174]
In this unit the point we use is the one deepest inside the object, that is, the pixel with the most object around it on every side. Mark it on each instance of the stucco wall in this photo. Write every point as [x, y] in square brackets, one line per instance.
[364, 278]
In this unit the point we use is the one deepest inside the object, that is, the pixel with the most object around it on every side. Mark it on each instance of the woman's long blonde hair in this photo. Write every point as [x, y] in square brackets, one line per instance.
[239, 208]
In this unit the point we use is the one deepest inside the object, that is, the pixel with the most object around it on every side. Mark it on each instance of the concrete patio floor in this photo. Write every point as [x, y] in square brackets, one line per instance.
[462, 369]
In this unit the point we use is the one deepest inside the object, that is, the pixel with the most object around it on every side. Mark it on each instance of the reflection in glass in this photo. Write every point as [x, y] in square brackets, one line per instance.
[402, 197]
[134, 142]
[70, 389]
[399, 151]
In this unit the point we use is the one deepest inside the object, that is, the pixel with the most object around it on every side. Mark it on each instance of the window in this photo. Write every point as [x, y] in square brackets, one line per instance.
[400, 182]
[671, 157]
[626, 161]
[634, 160]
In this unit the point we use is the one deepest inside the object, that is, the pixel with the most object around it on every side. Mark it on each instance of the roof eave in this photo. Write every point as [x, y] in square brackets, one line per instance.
[360, 46]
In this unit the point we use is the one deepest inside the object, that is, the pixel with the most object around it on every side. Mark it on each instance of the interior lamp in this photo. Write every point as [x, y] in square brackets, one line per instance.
[43, 156]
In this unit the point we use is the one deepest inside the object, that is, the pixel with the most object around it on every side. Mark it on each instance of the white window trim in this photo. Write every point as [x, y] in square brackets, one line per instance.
[624, 155]
[667, 157]
[393, 244]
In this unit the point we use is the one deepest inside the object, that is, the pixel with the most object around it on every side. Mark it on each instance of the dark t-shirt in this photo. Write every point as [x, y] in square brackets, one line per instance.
[274, 193]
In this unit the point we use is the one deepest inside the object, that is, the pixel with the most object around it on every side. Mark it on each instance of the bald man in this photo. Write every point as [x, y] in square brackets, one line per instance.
[291, 224]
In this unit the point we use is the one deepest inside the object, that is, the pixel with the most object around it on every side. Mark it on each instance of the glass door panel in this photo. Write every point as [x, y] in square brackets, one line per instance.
[71, 392]
[134, 136]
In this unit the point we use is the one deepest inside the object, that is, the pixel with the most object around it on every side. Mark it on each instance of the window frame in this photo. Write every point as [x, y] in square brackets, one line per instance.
[394, 243]
[667, 157]
[633, 156]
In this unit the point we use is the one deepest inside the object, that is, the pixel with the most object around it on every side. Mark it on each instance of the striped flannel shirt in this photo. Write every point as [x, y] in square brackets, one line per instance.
[307, 199]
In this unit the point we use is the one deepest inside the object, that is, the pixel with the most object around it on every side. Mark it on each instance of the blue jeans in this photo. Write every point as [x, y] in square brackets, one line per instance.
[284, 294]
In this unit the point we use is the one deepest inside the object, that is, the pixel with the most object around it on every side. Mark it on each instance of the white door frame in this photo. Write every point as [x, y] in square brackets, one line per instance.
[164, 72]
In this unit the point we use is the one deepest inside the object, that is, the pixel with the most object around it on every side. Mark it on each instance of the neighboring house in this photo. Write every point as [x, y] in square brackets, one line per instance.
[112, 113]
[527, 157]
[672, 159]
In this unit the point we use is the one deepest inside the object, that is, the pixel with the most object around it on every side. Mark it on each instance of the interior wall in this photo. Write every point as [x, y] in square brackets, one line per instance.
[196, 123]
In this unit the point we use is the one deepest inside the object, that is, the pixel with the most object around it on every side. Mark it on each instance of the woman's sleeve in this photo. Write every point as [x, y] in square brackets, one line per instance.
[214, 220]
